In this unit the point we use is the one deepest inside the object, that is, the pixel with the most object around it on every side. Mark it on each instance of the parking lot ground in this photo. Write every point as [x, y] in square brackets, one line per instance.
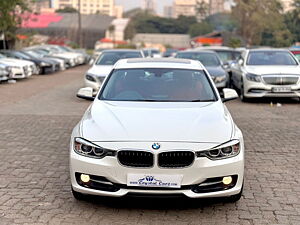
[36, 119]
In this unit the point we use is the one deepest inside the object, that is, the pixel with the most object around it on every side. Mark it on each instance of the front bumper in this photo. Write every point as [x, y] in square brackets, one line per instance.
[260, 89]
[201, 170]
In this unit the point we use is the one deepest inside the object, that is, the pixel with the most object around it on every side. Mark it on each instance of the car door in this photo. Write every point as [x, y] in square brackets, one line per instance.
[237, 71]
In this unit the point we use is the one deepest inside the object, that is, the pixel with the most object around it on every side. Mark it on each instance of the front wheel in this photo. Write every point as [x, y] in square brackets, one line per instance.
[242, 93]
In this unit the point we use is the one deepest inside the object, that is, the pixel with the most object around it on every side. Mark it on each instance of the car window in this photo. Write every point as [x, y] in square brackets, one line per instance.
[154, 84]
[110, 58]
[270, 58]
[207, 59]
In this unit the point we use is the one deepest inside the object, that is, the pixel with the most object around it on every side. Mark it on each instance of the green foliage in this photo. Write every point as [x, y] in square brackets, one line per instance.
[144, 22]
[292, 21]
[200, 29]
[10, 15]
[222, 22]
[202, 9]
[260, 20]
[67, 10]
[126, 46]
[234, 42]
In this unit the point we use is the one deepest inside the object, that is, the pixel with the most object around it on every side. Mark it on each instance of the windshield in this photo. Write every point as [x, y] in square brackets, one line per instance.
[33, 54]
[110, 58]
[2, 56]
[21, 55]
[154, 84]
[226, 56]
[268, 58]
[207, 59]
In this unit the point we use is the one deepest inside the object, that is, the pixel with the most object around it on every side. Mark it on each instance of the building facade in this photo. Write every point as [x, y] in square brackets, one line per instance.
[168, 11]
[149, 5]
[287, 5]
[39, 6]
[105, 7]
[188, 7]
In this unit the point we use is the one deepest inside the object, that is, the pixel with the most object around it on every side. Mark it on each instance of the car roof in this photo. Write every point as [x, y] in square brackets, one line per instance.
[121, 50]
[198, 51]
[158, 63]
[268, 50]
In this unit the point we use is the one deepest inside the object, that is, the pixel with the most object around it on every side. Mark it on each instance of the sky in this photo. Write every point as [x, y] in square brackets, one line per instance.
[129, 4]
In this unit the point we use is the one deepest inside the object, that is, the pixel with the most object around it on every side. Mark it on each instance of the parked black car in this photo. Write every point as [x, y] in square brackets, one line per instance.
[43, 66]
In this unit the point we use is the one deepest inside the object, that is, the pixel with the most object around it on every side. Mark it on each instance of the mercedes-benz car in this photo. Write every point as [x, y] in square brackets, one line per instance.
[104, 64]
[212, 63]
[157, 126]
[266, 73]
[5, 72]
[19, 68]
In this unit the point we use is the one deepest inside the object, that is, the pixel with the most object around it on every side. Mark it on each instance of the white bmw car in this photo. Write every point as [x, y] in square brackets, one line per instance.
[157, 126]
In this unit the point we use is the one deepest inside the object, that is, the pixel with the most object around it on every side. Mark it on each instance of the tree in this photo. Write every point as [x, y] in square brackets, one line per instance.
[10, 14]
[202, 10]
[257, 16]
[67, 10]
[111, 30]
[200, 29]
[292, 21]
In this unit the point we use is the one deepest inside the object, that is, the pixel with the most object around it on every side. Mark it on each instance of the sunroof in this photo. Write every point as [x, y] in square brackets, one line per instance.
[183, 61]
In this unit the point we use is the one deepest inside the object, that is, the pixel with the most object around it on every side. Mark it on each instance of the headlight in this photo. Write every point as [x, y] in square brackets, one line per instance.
[3, 72]
[253, 77]
[224, 151]
[90, 77]
[44, 64]
[86, 148]
[220, 79]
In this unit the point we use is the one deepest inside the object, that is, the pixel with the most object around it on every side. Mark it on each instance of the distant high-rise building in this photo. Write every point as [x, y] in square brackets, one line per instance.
[39, 6]
[216, 6]
[168, 11]
[149, 5]
[188, 7]
[106, 7]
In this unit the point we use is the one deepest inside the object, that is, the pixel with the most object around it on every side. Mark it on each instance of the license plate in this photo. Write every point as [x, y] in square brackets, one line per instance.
[281, 89]
[154, 180]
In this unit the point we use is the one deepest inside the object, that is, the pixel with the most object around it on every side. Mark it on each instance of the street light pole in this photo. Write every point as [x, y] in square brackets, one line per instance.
[79, 24]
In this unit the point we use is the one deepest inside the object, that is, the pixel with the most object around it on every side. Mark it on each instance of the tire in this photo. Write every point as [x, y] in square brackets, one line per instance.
[242, 93]
[234, 198]
[79, 196]
[39, 70]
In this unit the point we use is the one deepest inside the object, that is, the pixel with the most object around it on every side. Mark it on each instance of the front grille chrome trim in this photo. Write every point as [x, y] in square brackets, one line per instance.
[280, 79]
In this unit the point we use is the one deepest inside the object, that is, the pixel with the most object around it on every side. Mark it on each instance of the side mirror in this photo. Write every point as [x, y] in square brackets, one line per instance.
[229, 94]
[226, 66]
[240, 62]
[86, 93]
[91, 62]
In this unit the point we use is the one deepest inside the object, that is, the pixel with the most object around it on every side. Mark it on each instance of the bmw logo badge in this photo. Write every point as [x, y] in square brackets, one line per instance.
[156, 146]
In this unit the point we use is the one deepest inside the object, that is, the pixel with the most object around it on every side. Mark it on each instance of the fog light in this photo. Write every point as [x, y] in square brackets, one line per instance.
[227, 180]
[84, 178]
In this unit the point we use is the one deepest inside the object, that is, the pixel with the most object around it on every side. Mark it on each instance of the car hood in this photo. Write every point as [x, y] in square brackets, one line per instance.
[16, 62]
[174, 122]
[262, 70]
[216, 71]
[64, 55]
[100, 70]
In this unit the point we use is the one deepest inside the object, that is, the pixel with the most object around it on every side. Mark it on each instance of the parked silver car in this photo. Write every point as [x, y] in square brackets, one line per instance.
[266, 73]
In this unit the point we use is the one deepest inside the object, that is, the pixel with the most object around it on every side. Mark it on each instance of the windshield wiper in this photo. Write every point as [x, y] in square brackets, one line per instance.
[200, 100]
